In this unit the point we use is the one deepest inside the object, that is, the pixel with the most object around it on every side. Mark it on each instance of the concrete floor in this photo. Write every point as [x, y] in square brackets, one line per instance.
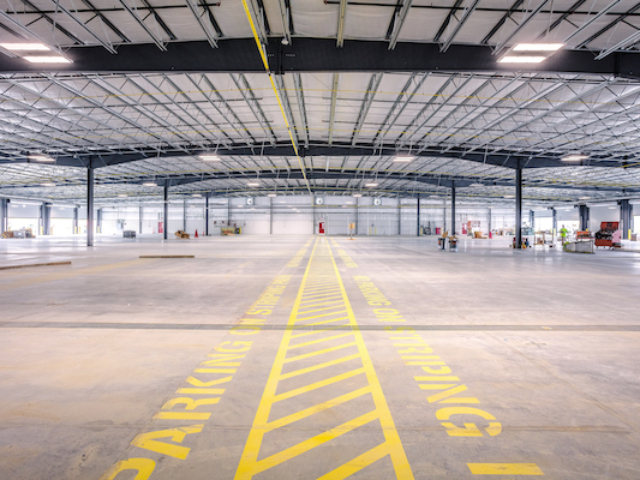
[485, 363]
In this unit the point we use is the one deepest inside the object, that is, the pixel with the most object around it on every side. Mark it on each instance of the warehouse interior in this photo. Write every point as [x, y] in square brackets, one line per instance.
[319, 239]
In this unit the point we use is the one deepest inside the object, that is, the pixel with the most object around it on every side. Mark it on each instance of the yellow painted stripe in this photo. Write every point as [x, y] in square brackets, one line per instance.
[320, 366]
[314, 386]
[396, 450]
[281, 422]
[315, 332]
[182, 416]
[216, 370]
[313, 442]
[324, 309]
[320, 352]
[425, 362]
[320, 340]
[324, 322]
[201, 391]
[504, 469]
[313, 317]
[358, 463]
[247, 466]
[339, 301]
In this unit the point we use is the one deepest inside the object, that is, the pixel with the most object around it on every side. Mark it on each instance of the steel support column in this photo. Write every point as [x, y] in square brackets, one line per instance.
[518, 207]
[206, 215]
[453, 209]
[554, 222]
[489, 217]
[165, 217]
[99, 220]
[184, 215]
[418, 216]
[4, 214]
[626, 217]
[76, 229]
[90, 182]
[140, 217]
[45, 215]
[532, 219]
[399, 216]
[357, 212]
[584, 217]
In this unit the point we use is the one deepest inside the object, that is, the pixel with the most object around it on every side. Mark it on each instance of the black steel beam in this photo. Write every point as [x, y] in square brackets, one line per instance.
[165, 210]
[584, 216]
[453, 209]
[90, 199]
[518, 242]
[319, 55]
[418, 216]
[502, 158]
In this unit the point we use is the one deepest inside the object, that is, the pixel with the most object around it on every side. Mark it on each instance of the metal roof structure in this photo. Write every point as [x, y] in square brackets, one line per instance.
[333, 94]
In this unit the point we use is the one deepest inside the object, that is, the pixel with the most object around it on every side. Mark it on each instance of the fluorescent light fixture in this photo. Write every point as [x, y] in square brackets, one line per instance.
[22, 47]
[477, 185]
[41, 158]
[574, 157]
[522, 59]
[538, 47]
[47, 184]
[404, 158]
[122, 195]
[509, 196]
[584, 198]
[46, 59]
[209, 158]
[149, 184]
[272, 195]
[357, 195]
[253, 184]
[196, 195]
[371, 184]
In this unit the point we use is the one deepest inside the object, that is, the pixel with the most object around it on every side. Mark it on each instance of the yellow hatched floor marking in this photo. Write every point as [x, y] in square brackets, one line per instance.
[504, 469]
[322, 272]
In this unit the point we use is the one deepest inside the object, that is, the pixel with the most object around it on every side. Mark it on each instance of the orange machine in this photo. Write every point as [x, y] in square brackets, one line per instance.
[609, 235]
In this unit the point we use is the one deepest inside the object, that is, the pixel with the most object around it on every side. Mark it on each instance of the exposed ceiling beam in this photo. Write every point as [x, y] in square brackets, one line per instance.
[502, 158]
[319, 55]
[434, 179]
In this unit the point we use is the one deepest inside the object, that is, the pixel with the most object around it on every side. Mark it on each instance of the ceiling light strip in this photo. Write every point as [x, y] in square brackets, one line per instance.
[275, 90]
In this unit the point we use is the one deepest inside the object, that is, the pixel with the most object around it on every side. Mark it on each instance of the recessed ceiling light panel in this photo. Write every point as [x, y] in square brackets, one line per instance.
[574, 157]
[41, 158]
[404, 158]
[46, 59]
[209, 158]
[25, 47]
[522, 59]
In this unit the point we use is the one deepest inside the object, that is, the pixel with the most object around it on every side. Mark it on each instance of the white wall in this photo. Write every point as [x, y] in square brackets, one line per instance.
[287, 221]
[598, 215]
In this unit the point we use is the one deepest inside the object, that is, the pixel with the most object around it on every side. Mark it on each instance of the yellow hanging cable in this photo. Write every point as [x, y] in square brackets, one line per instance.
[275, 90]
